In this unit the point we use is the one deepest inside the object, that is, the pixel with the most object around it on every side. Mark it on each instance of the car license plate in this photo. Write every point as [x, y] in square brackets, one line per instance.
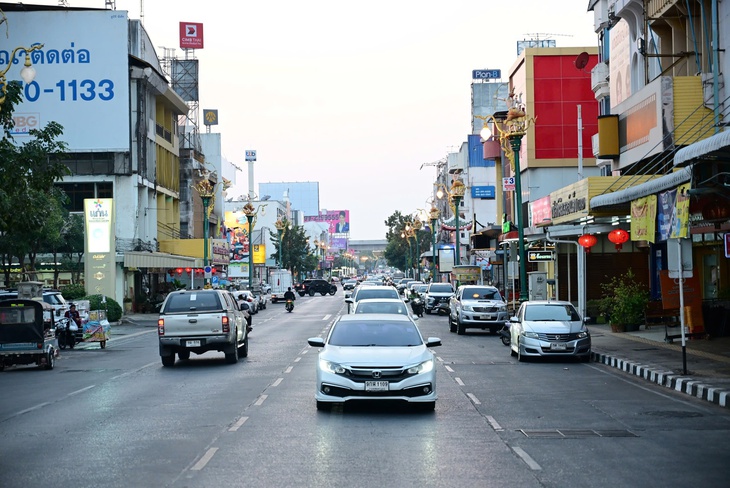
[376, 386]
[558, 346]
[192, 343]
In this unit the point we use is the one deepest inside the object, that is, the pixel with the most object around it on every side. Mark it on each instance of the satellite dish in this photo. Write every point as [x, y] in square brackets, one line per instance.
[582, 60]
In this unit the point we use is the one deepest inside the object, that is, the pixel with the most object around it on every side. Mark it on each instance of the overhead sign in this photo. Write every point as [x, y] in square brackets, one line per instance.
[539, 256]
[210, 117]
[485, 192]
[508, 184]
[486, 74]
[191, 35]
[250, 155]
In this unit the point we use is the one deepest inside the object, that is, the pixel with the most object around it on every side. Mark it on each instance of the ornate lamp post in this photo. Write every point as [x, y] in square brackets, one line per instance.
[406, 234]
[251, 213]
[27, 72]
[455, 194]
[206, 190]
[510, 129]
[434, 216]
[280, 227]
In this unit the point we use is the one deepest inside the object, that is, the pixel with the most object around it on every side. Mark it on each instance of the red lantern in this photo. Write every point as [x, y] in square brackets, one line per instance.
[187, 270]
[179, 271]
[587, 241]
[618, 237]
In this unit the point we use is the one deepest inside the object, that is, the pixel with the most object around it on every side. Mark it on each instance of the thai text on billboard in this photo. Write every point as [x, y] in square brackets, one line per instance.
[338, 220]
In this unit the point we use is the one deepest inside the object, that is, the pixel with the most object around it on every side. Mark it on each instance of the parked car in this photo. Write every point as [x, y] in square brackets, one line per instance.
[375, 357]
[475, 306]
[544, 328]
[437, 297]
[311, 287]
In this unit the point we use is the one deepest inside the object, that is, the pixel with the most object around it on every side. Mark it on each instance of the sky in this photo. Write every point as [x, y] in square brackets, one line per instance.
[355, 95]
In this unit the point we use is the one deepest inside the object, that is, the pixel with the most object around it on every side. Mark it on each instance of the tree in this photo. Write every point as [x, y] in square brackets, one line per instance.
[396, 251]
[73, 246]
[294, 248]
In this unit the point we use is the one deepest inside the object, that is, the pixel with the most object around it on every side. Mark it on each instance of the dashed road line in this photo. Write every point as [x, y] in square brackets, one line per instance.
[527, 459]
[494, 423]
[277, 382]
[296, 360]
[288, 370]
[81, 390]
[448, 368]
[261, 400]
[327, 317]
[474, 398]
[238, 424]
[439, 359]
[204, 460]
[459, 382]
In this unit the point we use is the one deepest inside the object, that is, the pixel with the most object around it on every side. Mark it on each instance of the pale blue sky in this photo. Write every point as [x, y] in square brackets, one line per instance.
[354, 95]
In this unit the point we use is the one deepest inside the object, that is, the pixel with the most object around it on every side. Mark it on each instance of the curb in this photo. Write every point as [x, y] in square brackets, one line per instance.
[668, 379]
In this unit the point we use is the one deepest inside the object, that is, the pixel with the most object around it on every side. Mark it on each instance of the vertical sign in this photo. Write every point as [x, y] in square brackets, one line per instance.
[100, 247]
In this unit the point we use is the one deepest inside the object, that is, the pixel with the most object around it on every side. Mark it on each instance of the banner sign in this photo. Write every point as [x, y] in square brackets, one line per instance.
[643, 218]
[191, 35]
[100, 247]
[339, 220]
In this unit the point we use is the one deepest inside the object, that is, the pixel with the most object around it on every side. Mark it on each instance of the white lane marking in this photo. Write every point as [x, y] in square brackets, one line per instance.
[288, 370]
[448, 368]
[238, 424]
[204, 460]
[527, 459]
[261, 400]
[438, 358]
[327, 317]
[81, 390]
[296, 360]
[494, 423]
[474, 398]
[458, 381]
[277, 382]
[133, 371]
[305, 351]
[35, 407]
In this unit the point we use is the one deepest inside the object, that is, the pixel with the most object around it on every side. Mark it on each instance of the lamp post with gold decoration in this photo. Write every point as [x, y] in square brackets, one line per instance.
[412, 229]
[251, 213]
[27, 72]
[206, 190]
[510, 127]
[434, 216]
[455, 194]
[280, 228]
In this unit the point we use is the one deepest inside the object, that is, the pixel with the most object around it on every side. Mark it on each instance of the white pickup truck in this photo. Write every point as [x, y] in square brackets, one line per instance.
[199, 321]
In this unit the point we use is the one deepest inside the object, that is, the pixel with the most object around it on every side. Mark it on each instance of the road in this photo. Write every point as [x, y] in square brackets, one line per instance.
[116, 417]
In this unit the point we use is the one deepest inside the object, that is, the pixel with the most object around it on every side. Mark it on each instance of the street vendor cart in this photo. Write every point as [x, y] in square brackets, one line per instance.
[97, 328]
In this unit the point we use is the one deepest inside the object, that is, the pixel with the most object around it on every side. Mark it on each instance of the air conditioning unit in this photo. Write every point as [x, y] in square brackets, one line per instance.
[599, 81]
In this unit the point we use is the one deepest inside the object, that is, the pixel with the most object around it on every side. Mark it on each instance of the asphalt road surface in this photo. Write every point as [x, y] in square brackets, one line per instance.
[116, 417]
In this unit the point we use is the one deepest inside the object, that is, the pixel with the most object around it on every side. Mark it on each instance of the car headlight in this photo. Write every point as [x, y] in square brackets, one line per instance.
[583, 333]
[424, 367]
[331, 367]
[468, 308]
[503, 308]
[530, 335]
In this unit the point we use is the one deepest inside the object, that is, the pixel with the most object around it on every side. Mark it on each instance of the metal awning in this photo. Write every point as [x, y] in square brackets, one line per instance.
[656, 185]
[142, 259]
[714, 147]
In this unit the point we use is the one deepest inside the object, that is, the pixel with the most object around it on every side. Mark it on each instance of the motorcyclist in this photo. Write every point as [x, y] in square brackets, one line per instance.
[73, 314]
[289, 295]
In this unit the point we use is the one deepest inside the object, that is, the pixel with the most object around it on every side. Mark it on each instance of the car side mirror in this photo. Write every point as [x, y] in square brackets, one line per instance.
[514, 319]
[433, 342]
[315, 342]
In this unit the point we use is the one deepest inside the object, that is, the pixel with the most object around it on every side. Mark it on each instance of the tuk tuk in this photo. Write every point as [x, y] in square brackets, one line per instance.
[25, 337]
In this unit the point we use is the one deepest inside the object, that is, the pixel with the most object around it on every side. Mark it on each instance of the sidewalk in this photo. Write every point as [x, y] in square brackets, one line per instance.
[645, 354]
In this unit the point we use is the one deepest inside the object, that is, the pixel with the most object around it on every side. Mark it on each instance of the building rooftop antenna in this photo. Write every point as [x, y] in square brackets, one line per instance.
[536, 36]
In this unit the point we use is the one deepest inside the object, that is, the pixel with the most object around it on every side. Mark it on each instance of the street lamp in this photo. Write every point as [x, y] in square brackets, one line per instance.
[206, 190]
[27, 72]
[251, 213]
[411, 230]
[406, 234]
[434, 216]
[280, 228]
[455, 194]
[510, 128]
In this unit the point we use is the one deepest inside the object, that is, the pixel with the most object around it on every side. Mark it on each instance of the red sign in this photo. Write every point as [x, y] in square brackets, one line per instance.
[191, 35]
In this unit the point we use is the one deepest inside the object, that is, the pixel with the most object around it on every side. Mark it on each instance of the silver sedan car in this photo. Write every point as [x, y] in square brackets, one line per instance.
[544, 328]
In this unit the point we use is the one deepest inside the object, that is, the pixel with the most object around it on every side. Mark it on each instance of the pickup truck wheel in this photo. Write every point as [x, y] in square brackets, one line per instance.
[168, 361]
[460, 327]
[243, 350]
[184, 355]
[333, 291]
[311, 292]
[452, 326]
[232, 357]
[323, 293]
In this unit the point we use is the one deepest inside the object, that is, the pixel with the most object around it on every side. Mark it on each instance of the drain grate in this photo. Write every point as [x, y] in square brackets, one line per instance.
[574, 433]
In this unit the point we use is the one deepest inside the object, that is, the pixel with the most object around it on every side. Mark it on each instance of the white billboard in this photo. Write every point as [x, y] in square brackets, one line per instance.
[82, 75]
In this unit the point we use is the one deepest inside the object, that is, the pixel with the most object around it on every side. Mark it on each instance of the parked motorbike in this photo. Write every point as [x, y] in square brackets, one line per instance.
[65, 333]
[504, 333]
[417, 307]
[289, 305]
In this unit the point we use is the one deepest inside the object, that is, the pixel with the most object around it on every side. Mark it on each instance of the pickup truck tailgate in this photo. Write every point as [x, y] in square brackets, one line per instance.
[192, 324]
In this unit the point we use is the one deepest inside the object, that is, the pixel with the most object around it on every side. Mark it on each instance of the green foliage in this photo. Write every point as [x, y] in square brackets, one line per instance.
[294, 249]
[73, 292]
[113, 309]
[625, 300]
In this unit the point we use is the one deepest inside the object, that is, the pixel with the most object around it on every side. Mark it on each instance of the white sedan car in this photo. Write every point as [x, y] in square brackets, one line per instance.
[375, 357]
[381, 305]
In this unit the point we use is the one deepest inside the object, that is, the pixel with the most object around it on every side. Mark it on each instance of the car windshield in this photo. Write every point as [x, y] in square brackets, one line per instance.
[481, 294]
[375, 334]
[377, 293]
[381, 307]
[440, 288]
[192, 301]
[551, 312]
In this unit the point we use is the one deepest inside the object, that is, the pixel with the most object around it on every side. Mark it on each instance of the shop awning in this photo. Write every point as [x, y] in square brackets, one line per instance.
[142, 259]
[622, 197]
[714, 147]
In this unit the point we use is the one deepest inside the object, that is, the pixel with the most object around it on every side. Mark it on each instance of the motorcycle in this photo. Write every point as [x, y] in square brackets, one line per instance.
[505, 334]
[289, 305]
[65, 333]
[417, 307]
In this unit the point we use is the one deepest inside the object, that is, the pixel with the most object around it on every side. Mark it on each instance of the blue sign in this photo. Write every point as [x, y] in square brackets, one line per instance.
[250, 155]
[486, 74]
[483, 192]
[214, 280]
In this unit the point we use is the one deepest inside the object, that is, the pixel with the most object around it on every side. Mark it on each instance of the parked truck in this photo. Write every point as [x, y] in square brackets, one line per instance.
[279, 280]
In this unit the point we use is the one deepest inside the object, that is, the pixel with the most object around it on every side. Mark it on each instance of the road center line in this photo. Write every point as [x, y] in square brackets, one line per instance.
[305, 351]
[459, 382]
[474, 398]
[448, 368]
[277, 382]
[288, 370]
[261, 400]
[296, 360]
[80, 391]
[494, 423]
[327, 317]
[238, 424]
[527, 459]
[35, 407]
[204, 460]
[439, 359]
